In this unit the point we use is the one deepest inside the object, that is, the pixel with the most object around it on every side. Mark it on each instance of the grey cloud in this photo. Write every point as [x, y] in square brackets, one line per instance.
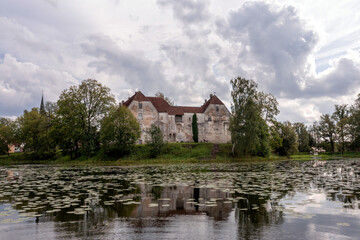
[21, 84]
[136, 70]
[193, 62]
[275, 38]
[188, 11]
[274, 46]
[342, 80]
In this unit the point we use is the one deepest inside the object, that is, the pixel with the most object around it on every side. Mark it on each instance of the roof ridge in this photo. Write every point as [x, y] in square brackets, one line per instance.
[162, 105]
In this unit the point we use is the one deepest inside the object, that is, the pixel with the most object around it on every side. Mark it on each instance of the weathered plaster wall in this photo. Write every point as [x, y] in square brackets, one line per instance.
[146, 115]
[216, 125]
[213, 124]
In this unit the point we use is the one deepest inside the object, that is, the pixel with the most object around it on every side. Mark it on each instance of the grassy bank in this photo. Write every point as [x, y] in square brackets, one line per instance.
[326, 156]
[173, 153]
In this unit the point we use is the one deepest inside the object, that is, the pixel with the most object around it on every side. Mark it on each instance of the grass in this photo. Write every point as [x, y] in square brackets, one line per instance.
[173, 153]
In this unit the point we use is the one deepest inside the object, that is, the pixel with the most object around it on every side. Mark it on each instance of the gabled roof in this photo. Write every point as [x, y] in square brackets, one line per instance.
[213, 100]
[159, 103]
[138, 96]
[162, 106]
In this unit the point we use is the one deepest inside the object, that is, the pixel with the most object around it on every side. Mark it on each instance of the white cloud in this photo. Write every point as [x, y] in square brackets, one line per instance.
[22, 83]
[306, 53]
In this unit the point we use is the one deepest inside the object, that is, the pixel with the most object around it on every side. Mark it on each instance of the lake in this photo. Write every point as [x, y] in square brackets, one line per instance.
[283, 200]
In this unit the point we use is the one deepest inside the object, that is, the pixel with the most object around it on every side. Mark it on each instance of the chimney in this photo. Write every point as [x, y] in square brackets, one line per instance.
[122, 103]
[205, 100]
[211, 95]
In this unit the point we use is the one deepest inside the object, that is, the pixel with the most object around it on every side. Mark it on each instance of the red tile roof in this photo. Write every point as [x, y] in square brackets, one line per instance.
[162, 106]
[159, 103]
[138, 96]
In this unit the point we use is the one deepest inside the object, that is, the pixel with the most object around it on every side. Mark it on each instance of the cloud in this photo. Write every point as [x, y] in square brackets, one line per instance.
[277, 48]
[21, 85]
[275, 39]
[131, 66]
[186, 49]
[188, 11]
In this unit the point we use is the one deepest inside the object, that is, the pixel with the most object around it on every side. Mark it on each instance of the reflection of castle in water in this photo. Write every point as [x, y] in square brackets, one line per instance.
[180, 199]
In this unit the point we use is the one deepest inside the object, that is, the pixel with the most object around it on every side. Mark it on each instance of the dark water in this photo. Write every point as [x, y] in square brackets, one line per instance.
[286, 200]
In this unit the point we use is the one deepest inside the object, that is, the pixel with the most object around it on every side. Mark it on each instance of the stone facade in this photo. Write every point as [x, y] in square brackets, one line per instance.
[175, 122]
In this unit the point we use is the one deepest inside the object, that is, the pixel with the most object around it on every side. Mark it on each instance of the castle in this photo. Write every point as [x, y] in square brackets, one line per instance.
[175, 122]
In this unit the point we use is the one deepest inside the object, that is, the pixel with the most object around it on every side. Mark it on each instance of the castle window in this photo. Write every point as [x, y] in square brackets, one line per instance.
[189, 119]
[209, 118]
[217, 108]
[178, 118]
[140, 116]
[140, 105]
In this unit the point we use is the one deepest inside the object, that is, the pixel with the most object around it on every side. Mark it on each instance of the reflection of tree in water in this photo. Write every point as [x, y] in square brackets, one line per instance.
[251, 222]
[258, 187]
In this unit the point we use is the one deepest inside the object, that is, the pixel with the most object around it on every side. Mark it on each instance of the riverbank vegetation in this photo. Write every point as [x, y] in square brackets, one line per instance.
[172, 153]
[86, 125]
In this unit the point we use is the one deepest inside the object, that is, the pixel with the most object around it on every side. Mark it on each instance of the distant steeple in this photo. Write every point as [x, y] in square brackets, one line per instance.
[42, 107]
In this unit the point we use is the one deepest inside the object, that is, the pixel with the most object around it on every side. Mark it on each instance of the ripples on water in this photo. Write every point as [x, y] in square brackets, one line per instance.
[312, 200]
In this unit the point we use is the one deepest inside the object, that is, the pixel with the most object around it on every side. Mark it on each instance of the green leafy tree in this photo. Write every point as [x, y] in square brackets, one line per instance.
[314, 135]
[327, 129]
[275, 139]
[195, 128]
[354, 125]
[156, 142]
[341, 117]
[80, 110]
[35, 131]
[7, 135]
[249, 131]
[268, 105]
[289, 144]
[119, 132]
[303, 136]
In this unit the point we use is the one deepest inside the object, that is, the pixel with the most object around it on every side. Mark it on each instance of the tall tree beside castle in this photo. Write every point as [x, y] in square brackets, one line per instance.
[81, 109]
[195, 128]
[249, 131]
[119, 132]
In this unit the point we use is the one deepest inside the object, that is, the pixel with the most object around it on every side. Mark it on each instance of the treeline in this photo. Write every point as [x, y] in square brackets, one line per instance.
[82, 122]
[86, 120]
[253, 125]
[255, 130]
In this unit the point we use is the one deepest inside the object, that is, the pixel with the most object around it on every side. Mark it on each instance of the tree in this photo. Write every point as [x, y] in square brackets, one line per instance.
[289, 140]
[303, 136]
[314, 135]
[275, 140]
[156, 142]
[354, 124]
[327, 130]
[119, 132]
[249, 131]
[167, 99]
[195, 128]
[6, 135]
[80, 110]
[341, 117]
[268, 105]
[35, 132]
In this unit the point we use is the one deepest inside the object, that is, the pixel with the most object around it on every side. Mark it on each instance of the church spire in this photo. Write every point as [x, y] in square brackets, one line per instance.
[42, 107]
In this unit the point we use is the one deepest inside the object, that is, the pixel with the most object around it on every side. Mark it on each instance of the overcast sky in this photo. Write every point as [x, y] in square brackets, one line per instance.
[306, 52]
